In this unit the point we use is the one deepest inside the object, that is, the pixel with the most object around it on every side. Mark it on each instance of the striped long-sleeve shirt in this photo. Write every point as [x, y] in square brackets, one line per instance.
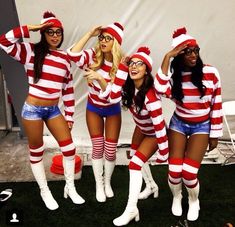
[193, 108]
[83, 60]
[55, 78]
[150, 119]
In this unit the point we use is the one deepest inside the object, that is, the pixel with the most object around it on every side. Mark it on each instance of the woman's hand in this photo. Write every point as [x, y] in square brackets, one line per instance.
[177, 50]
[125, 60]
[213, 142]
[91, 75]
[70, 124]
[95, 31]
[38, 27]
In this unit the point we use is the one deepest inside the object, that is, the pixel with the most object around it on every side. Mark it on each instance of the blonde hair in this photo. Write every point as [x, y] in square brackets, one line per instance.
[99, 58]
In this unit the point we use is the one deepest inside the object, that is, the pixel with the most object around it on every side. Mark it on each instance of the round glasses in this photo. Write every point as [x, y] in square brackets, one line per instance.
[136, 63]
[107, 38]
[189, 51]
[51, 32]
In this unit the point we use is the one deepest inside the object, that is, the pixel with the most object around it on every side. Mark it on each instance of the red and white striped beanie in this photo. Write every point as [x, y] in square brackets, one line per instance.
[143, 54]
[180, 37]
[49, 17]
[116, 30]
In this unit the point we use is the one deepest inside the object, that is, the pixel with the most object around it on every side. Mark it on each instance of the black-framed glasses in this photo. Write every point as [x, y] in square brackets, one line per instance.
[136, 63]
[189, 51]
[51, 32]
[107, 38]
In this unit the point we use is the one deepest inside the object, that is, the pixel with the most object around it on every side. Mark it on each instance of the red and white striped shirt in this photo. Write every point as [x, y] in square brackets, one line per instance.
[83, 60]
[150, 119]
[55, 77]
[193, 108]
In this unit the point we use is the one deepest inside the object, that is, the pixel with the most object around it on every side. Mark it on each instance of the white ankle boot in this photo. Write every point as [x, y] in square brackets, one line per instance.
[69, 189]
[176, 190]
[193, 202]
[39, 174]
[127, 216]
[131, 212]
[108, 171]
[151, 186]
[97, 166]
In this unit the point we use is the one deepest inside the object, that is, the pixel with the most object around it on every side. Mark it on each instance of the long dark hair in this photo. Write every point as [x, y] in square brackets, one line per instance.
[177, 66]
[41, 49]
[128, 92]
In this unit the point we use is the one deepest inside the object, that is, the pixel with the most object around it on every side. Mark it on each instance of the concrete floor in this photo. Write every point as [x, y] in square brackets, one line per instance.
[15, 165]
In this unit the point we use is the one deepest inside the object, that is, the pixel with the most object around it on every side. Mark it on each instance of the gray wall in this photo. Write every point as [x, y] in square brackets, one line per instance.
[14, 72]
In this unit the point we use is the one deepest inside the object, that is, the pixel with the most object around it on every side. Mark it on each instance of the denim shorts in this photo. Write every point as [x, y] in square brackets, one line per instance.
[187, 129]
[105, 111]
[31, 112]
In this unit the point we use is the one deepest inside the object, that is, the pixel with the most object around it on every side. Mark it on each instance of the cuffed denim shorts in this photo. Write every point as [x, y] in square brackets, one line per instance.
[187, 129]
[31, 112]
[105, 111]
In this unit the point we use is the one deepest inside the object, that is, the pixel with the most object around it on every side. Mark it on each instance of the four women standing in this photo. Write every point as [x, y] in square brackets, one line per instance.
[193, 86]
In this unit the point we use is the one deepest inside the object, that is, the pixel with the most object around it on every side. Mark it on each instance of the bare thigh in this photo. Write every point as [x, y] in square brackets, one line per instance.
[196, 146]
[177, 144]
[113, 126]
[95, 123]
[58, 127]
[148, 146]
[34, 131]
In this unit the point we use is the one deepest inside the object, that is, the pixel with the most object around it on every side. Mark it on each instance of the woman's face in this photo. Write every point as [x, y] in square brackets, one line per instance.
[53, 37]
[106, 42]
[190, 56]
[137, 71]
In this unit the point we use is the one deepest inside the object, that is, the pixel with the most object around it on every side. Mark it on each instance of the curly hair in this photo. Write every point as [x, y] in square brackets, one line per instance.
[128, 92]
[177, 67]
[41, 49]
[99, 58]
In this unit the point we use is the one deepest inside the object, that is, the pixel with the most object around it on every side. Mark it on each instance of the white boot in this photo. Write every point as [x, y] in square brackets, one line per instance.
[151, 186]
[193, 202]
[108, 171]
[69, 189]
[176, 190]
[97, 165]
[39, 174]
[131, 212]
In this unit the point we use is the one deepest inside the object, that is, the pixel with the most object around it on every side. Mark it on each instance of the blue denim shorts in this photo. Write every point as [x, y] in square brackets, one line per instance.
[104, 111]
[31, 112]
[187, 129]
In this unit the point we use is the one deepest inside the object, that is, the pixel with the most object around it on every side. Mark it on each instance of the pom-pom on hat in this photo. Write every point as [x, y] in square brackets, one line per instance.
[49, 17]
[116, 30]
[179, 37]
[143, 54]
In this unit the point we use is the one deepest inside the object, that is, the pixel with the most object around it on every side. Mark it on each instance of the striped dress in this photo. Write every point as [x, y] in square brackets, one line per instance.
[55, 78]
[193, 108]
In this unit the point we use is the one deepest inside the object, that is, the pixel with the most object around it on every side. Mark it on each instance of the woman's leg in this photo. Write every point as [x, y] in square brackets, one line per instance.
[195, 151]
[34, 132]
[177, 144]
[60, 130]
[95, 124]
[144, 152]
[151, 186]
[112, 131]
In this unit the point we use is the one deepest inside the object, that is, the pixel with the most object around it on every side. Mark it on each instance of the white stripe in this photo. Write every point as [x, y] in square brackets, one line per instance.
[137, 160]
[40, 149]
[67, 147]
[174, 180]
[39, 93]
[190, 169]
[175, 168]
[190, 182]
[117, 29]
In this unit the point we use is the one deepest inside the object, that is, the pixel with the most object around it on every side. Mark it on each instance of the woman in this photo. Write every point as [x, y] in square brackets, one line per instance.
[48, 71]
[134, 84]
[197, 120]
[103, 118]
